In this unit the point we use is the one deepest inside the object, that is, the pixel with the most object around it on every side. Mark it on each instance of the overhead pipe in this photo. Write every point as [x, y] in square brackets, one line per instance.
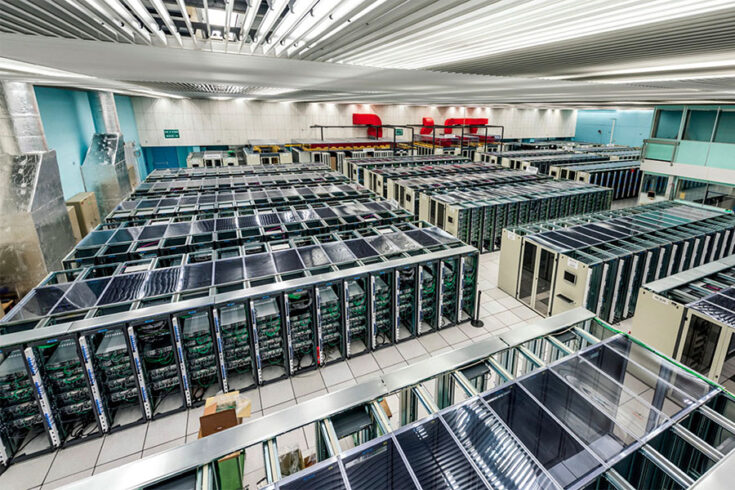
[375, 128]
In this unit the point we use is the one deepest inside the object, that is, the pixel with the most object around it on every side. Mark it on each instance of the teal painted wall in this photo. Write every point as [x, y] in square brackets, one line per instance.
[631, 127]
[67, 121]
[68, 124]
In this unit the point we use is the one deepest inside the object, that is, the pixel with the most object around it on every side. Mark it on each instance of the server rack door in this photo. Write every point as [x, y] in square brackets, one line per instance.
[527, 273]
[199, 354]
[114, 369]
[59, 362]
[428, 294]
[301, 329]
[269, 339]
[382, 313]
[449, 295]
[330, 327]
[27, 427]
[620, 283]
[468, 289]
[358, 331]
[701, 338]
[407, 285]
[235, 346]
[155, 343]
[543, 284]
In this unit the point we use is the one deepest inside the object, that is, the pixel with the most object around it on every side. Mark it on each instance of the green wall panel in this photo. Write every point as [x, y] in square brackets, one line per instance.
[692, 153]
[721, 155]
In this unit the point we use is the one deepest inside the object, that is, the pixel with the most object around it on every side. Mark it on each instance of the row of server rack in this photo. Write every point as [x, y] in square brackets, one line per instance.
[377, 179]
[410, 192]
[170, 301]
[478, 215]
[162, 236]
[614, 168]
[168, 174]
[599, 261]
[623, 177]
[356, 168]
[213, 183]
[226, 204]
[690, 316]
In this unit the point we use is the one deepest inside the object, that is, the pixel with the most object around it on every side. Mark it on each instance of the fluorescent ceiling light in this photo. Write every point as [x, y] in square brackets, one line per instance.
[518, 25]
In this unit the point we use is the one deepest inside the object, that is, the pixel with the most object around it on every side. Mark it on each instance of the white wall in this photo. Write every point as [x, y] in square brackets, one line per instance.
[233, 122]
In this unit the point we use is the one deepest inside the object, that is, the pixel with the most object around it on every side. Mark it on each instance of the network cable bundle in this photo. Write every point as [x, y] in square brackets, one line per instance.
[356, 168]
[118, 242]
[192, 186]
[410, 193]
[623, 177]
[23, 426]
[599, 261]
[478, 216]
[117, 376]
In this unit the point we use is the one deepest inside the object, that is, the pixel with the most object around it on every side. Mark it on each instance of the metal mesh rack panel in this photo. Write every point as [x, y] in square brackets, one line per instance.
[192, 185]
[119, 242]
[216, 203]
[246, 170]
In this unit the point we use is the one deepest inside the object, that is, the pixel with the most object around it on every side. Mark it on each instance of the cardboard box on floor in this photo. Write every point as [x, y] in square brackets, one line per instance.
[222, 412]
[75, 230]
[88, 214]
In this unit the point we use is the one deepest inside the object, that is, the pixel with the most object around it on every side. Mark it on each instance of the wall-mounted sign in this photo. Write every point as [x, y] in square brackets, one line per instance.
[399, 132]
[170, 133]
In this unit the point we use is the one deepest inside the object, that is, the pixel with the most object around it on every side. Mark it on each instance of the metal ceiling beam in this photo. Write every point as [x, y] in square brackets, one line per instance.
[18, 15]
[109, 18]
[393, 24]
[187, 20]
[43, 15]
[101, 24]
[228, 20]
[247, 22]
[94, 30]
[166, 17]
[145, 18]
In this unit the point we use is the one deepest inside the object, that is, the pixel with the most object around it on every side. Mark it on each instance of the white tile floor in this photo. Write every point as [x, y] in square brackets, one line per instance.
[499, 312]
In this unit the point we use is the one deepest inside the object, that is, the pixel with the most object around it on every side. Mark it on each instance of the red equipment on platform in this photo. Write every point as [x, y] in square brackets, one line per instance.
[373, 119]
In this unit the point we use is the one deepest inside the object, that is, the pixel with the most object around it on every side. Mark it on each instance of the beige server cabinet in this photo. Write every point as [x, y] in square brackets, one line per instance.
[546, 281]
[657, 321]
[532, 273]
[692, 337]
[407, 197]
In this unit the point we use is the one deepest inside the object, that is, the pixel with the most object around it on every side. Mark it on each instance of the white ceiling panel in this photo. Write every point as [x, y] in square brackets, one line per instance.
[460, 52]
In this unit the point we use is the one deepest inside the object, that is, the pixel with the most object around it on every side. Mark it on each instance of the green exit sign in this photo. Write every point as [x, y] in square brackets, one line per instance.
[170, 133]
[399, 132]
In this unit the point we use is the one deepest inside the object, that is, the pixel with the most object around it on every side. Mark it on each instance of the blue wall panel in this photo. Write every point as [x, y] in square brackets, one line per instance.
[68, 124]
[631, 127]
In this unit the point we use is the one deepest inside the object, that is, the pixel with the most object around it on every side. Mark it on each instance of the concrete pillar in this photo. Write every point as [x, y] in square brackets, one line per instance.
[104, 112]
[21, 130]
